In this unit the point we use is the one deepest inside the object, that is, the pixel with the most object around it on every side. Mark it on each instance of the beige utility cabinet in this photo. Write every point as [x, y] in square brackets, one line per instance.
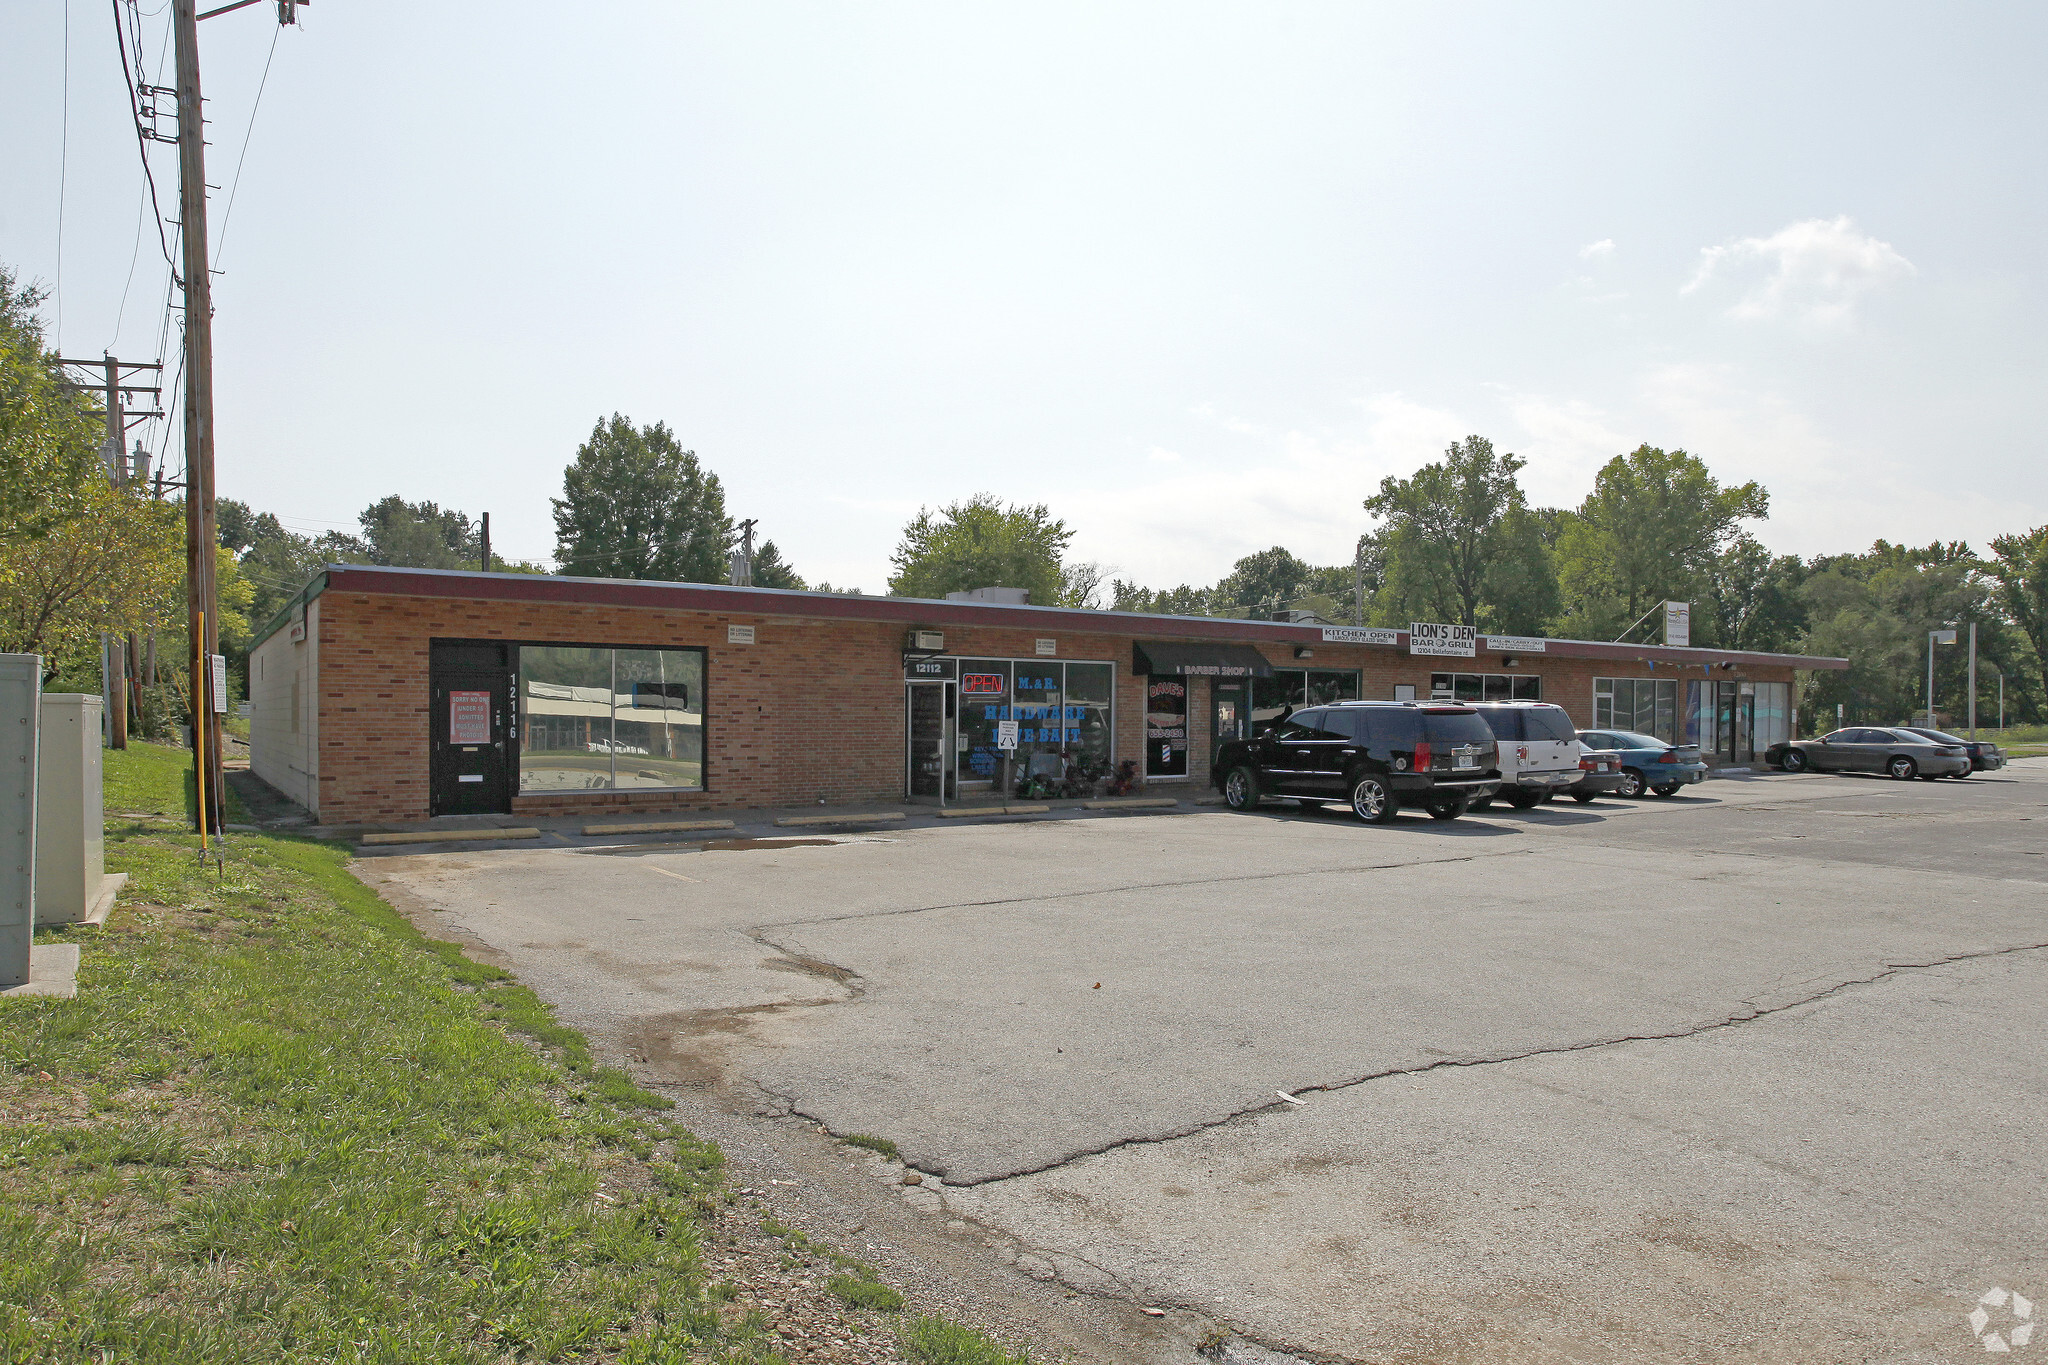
[71, 882]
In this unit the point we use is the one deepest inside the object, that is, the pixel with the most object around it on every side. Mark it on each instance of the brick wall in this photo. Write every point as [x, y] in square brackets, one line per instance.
[813, 710]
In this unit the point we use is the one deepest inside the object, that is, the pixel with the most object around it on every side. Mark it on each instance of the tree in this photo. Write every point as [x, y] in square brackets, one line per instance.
[1181, 601]
[416, 535]
[49, 435]
[1460, 543]
[1083, 584]
[1650, 530]
[980, 543]
[635, 504]
[1752, 600]
[771, 572]
[2020, 568]
[118, 565]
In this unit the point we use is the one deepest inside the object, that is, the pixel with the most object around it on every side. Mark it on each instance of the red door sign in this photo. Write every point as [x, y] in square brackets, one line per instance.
[469, 718]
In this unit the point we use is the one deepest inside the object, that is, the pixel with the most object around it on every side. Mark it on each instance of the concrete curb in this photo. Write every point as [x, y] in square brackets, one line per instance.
[873, 817]
[658, 827]
[52, 973]
[1137, 803]
[965, 812]
[448, 836]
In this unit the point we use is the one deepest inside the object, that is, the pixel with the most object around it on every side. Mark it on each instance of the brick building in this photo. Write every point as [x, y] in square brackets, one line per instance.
[395, 694]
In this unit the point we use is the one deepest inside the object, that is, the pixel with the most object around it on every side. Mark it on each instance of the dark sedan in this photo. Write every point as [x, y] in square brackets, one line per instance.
[1868, 749]
[1984, 755]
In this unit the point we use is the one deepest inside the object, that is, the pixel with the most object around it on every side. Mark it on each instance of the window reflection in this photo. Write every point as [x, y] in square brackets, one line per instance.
[594, 718]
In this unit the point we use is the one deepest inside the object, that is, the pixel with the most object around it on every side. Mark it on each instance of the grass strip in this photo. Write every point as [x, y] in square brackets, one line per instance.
[279, 1125]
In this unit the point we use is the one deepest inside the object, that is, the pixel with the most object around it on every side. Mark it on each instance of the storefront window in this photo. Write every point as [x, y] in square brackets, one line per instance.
[1646, 706]
[1485, 687]
[984, 700]
[1299, 687]
[1061, 709]
[594, 718]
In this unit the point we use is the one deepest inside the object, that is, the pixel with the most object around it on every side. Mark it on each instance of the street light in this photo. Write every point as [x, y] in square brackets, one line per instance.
[1934, 637]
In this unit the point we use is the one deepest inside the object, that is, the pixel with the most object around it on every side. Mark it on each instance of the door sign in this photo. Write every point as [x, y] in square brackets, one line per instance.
[1006, 734]
[469, 718]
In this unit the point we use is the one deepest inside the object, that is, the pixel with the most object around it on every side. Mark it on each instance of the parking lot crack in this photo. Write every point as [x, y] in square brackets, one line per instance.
[1176, 884]
[1749, 1014]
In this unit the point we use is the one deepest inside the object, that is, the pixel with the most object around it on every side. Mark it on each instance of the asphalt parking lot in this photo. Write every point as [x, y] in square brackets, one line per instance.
[1754, 1073]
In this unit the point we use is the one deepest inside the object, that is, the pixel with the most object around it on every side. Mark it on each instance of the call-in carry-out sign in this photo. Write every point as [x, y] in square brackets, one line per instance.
[1443, 641]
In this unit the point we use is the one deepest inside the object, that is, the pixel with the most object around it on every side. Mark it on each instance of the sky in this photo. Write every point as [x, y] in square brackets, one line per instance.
[1196, 277]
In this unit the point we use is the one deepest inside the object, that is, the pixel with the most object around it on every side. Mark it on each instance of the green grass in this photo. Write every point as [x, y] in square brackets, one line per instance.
[278, 1125]
[155, 779]
[857, 1292]
[935, 1341]
[872, 1143]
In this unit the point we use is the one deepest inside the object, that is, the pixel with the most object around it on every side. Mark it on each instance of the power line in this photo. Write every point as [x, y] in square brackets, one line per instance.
[128, 83]
[235, 185]
[134, 254]
[63, 174]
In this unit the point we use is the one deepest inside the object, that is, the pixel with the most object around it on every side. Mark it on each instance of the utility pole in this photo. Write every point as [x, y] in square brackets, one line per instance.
[202, 623]
[743, 557]
[108, 374]
[486, 538]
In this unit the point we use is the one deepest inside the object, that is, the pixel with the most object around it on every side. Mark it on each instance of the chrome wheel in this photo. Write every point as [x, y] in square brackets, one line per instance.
[1371, 800]
[1631, 783]
[1793, 761]
[1902, 768]
[1241, 789]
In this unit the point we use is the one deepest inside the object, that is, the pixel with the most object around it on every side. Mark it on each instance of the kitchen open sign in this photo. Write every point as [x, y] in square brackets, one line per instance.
[469, 717]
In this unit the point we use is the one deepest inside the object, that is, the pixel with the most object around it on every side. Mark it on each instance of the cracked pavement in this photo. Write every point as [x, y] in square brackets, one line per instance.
[1753, 1073]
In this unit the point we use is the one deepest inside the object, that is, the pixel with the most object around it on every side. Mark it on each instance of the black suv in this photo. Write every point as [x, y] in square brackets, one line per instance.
[1377, 755]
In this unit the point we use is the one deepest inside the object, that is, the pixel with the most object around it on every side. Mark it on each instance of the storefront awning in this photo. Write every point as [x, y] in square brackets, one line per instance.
[1200, 661]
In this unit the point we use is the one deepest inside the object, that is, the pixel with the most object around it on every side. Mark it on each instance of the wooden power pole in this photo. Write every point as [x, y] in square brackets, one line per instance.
[202, 620]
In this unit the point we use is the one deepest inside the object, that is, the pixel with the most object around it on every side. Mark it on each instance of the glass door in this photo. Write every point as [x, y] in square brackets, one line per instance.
[928, 749]
[1229, 715]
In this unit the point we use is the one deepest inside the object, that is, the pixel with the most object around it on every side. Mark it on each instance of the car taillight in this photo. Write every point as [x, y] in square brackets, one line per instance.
[1422, 754]
[1668, 756]
[1587, 765]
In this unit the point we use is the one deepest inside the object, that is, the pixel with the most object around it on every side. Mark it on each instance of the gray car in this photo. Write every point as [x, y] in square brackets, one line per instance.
[1869, 749]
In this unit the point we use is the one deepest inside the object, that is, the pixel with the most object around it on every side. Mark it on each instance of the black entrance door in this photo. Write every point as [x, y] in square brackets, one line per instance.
[1229, 714]
[471, 728]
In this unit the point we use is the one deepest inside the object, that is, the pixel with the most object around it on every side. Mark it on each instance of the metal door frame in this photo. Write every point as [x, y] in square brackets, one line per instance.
[949, 738]
[505, 693]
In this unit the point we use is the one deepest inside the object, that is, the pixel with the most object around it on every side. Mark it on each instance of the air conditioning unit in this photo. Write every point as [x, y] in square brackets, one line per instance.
[933, 641]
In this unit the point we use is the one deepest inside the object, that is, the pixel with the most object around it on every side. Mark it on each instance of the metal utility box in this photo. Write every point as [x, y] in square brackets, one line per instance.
[71, 882]
[21, 681]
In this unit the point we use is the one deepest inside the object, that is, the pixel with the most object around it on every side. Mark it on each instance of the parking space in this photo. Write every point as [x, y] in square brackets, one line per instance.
[1746, 1072]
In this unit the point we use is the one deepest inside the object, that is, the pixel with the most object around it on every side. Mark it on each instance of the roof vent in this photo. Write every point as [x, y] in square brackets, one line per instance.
[1009, 597]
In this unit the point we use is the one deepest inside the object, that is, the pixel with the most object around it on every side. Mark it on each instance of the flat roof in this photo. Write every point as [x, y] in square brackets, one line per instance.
[920, 611]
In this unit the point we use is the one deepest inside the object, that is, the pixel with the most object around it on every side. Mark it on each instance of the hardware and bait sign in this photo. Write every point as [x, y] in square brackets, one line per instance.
[1442, 641]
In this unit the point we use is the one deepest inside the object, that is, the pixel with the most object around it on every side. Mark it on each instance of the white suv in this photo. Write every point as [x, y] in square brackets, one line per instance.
[1539, 749]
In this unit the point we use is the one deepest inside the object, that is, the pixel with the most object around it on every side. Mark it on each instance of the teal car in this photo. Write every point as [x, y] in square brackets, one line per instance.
[1648, 763]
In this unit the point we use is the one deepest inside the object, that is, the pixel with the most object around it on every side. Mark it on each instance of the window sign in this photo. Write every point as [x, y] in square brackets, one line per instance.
[1006, 735]
[1446, 641]
[984, 684]
[469, 717]
[1166, 727]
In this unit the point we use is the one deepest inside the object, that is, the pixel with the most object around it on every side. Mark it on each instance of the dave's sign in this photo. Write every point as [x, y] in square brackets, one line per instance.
[1442, 641]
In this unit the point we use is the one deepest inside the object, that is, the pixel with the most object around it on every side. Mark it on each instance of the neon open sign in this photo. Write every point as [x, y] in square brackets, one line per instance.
[983, 684]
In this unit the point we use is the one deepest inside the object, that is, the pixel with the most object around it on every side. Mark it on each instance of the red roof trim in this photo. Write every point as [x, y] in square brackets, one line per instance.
[714, 597]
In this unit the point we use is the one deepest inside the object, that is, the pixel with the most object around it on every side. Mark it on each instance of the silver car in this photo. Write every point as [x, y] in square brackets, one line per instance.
[1868, 749]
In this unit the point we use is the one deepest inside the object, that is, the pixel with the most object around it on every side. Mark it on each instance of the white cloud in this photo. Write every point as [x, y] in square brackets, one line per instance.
[1593, 251]
[1161, 455]
[1813, 270]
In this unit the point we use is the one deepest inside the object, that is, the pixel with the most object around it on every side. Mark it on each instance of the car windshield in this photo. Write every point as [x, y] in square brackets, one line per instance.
[1451, 729]
[1629, 739]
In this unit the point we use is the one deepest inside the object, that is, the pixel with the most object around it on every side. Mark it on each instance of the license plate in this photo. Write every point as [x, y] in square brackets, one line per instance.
[1464, 762]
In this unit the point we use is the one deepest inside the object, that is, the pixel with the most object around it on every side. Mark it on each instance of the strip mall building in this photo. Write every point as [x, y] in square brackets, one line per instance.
[399, 694]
